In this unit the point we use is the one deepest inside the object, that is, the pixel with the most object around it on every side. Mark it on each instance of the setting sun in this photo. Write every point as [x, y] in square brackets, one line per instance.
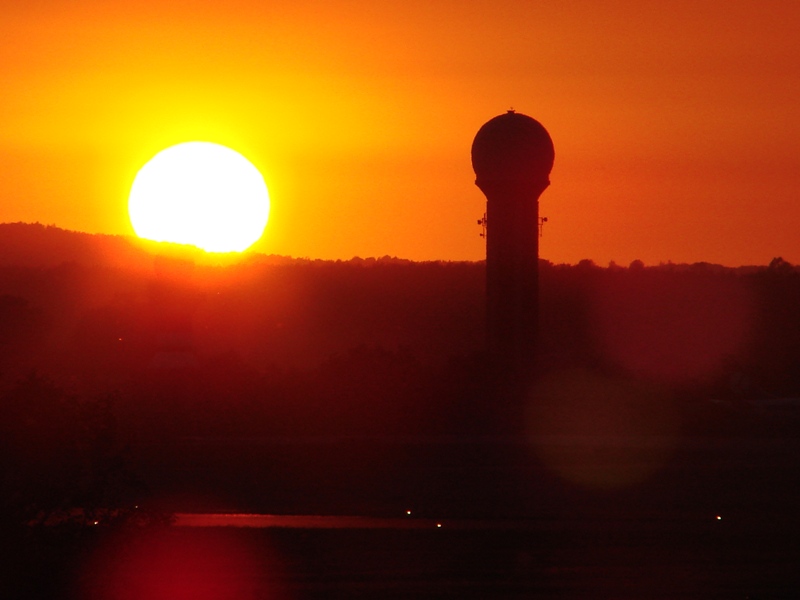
[202, 194]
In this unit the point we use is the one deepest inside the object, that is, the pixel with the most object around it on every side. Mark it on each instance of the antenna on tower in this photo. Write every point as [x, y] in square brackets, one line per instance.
[482, 223]
[542, 221]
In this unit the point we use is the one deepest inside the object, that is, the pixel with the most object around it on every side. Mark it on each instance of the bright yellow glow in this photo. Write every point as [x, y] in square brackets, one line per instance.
[201, 194]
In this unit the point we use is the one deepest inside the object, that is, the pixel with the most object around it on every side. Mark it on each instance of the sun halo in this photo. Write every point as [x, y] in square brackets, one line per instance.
[202, 194]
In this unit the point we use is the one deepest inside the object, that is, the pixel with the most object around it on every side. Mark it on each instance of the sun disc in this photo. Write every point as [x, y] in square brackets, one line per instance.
[202, 194]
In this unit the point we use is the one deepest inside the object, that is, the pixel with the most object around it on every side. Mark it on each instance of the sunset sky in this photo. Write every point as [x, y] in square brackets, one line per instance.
[676, 124]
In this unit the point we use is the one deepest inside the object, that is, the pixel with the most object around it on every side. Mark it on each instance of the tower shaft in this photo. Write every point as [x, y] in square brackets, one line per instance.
[512, 269]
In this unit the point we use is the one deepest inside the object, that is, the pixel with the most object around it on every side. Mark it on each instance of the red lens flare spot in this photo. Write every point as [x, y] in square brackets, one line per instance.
[600, 432]
[181, 564]
[672, 327]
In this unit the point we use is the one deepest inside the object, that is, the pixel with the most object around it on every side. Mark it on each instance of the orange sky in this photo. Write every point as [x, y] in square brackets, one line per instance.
[676, 124]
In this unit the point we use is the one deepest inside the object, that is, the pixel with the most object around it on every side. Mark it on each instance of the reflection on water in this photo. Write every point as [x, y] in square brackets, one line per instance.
[406, 522]
[298, 521]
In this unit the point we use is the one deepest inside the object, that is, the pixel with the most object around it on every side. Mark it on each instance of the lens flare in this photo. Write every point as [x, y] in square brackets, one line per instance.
[171, 564]
[673, 329]
[600, 432]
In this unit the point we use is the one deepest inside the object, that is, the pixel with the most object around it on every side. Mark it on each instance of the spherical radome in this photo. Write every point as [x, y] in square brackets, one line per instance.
[202, 194]
[512, 146]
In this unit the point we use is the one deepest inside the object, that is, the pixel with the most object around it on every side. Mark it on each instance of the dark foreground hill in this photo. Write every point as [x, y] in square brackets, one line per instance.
[139, 381]
[181, 349]
[96, 310]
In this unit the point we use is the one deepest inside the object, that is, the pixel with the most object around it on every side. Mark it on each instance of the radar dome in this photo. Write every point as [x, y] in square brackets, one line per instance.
[512, 147]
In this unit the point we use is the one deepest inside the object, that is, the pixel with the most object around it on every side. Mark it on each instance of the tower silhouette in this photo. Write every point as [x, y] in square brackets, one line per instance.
[512, 156]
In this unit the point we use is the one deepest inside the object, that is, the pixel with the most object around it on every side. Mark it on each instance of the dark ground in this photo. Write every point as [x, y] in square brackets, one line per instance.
[553, 559]
[511, 527]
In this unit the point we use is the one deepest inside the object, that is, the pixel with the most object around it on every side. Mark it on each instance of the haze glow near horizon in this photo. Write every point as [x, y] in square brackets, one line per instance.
[676, 131]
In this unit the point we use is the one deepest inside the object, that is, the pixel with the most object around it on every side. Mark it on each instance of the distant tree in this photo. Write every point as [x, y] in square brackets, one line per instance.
[613, 266]
[62, 458]
[636, 265]
[779, 265]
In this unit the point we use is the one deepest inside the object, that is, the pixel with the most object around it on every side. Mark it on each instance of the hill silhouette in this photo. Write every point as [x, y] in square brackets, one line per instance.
[89, 308]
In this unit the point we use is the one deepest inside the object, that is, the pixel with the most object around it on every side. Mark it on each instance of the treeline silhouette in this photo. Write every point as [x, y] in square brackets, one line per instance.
[91, 312]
